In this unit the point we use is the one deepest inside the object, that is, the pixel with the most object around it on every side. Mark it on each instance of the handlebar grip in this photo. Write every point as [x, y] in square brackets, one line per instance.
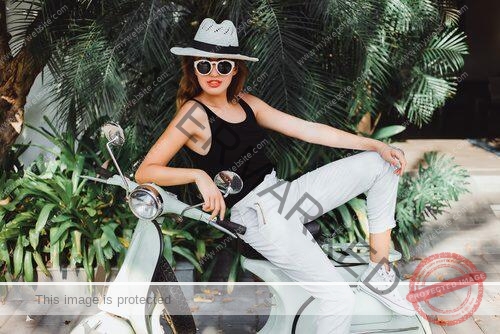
[233, 227]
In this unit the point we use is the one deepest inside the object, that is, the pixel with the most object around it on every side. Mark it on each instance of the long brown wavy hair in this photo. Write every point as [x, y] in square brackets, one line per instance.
[189, 86]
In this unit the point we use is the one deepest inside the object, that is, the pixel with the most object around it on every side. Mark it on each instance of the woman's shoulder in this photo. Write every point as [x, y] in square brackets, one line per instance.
[192, 108]
[253, 101]
[249, 98]
[191, 114]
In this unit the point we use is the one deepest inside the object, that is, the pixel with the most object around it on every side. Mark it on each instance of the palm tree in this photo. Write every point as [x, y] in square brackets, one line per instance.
[343, 63]
[18, 69]
[339, 62]
[35, 34]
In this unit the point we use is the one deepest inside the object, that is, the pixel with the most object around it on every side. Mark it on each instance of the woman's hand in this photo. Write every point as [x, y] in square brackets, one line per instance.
[395, 156]
[214, 201]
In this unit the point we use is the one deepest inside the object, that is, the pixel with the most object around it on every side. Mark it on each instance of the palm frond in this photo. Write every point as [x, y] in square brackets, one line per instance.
[444, 53]
[450, 14]
[88, 83]
[424, 96]
[276, 37]
[399, 15]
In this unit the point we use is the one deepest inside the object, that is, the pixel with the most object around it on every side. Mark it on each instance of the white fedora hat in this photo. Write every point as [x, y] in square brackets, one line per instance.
[214, 40]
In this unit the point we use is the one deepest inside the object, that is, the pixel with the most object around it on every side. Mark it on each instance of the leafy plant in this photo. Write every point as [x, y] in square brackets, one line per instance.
[11, 164]
[437, 183]
[53, 218]
[343, 63]
[358, 59]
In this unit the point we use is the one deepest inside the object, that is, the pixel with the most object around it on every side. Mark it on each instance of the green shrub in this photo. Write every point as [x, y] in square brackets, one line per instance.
[50, 217]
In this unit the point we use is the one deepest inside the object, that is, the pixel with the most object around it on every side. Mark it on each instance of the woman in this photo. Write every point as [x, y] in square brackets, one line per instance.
[223, 129]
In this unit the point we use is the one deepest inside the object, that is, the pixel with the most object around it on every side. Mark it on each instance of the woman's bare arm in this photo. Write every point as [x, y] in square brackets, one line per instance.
[311, 132]
[154, 166]
[185, 126]
[318, 133]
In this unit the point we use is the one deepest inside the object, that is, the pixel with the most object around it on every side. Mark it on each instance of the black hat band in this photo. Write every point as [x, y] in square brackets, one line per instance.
[215, 48]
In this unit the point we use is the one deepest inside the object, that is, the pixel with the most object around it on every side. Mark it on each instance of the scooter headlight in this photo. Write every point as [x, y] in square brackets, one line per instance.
[145, 202]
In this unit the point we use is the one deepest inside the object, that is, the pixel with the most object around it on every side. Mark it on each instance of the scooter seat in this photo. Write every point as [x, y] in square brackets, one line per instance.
[249, 252]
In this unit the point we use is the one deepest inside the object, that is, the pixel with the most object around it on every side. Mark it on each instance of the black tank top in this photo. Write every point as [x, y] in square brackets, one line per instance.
[238, 147]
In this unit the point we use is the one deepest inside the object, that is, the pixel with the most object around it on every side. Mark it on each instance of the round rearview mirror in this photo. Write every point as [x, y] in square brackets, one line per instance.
[228, 182]
[113, 133]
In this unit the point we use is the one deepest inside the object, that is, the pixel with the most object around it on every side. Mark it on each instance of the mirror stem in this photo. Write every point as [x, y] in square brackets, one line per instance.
[228, 191]
[108, 146]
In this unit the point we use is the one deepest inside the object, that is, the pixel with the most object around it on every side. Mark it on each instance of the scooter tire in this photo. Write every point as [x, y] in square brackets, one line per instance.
[182, 322]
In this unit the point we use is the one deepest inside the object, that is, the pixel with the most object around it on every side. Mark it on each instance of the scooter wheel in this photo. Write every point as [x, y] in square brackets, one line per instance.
[178, 320]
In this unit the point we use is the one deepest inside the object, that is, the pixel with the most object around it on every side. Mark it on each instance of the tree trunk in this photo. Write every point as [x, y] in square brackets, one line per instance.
[18, 76]
[17, 73]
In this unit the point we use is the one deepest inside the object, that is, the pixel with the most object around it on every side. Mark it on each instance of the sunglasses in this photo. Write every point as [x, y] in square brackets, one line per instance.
[204, 66]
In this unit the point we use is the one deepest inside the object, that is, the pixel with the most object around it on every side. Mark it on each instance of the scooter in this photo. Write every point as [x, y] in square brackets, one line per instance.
[292, 306]
[144, 261]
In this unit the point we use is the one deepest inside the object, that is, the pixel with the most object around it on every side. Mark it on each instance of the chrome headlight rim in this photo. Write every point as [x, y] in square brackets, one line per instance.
[150, 190]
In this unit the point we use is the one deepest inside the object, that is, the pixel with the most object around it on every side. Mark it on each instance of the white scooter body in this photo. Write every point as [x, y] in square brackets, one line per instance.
[138, 266]
[292, 301]
[145, 249]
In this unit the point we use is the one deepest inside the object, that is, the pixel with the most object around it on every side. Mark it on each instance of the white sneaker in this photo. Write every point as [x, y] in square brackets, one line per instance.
[392, 299]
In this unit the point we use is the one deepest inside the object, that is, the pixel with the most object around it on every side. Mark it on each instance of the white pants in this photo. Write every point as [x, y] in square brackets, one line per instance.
[275, 211]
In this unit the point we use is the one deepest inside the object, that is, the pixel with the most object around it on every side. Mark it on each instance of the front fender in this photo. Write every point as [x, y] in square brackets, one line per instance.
[138, 267]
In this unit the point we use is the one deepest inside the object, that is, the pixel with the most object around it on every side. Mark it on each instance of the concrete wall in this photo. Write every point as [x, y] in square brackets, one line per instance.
[35, 109]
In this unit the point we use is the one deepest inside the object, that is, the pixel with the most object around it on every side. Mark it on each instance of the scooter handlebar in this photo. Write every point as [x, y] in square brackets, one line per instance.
[174, 205]
[233, 227]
